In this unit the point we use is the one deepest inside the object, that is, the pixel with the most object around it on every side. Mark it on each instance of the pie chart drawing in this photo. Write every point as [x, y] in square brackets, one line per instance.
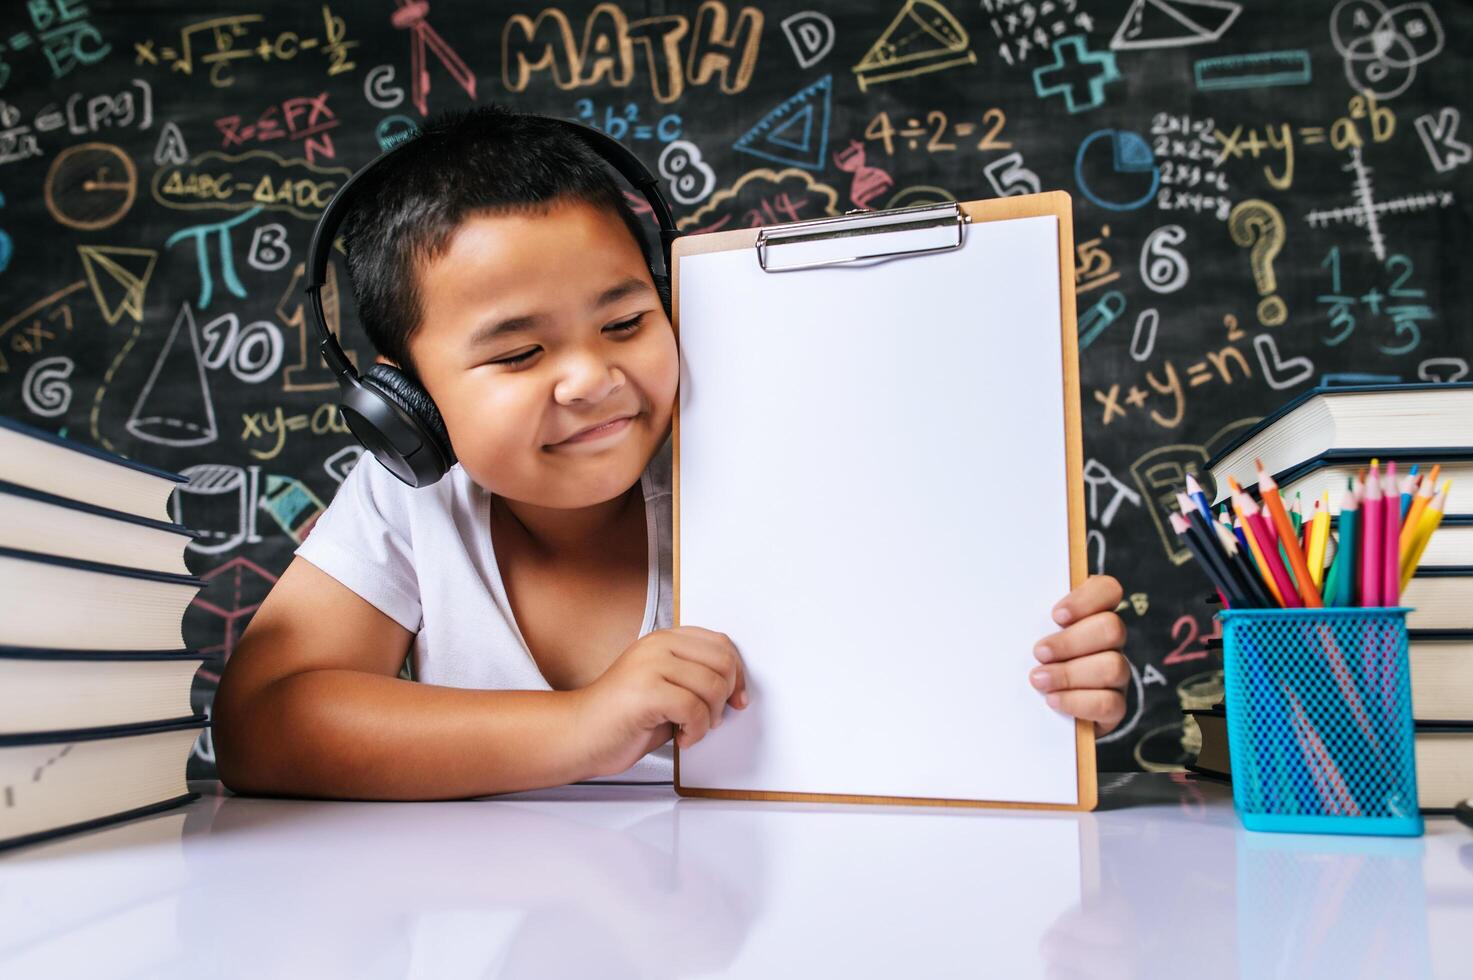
[1116, 169]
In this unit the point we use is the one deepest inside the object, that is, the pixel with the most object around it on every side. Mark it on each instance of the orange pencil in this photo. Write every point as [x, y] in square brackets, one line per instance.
[1269, 491]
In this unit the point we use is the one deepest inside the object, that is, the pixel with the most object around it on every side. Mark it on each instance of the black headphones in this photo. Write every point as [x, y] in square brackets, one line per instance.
[389, 413]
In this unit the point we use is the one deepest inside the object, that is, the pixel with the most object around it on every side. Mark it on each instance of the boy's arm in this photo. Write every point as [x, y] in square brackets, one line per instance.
[310, 704]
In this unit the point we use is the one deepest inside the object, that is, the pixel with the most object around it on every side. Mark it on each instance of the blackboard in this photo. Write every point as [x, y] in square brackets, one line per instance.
[1266, 197]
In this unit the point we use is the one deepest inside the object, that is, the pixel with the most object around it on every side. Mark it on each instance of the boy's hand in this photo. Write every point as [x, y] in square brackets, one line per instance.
[1084, 673]
[681, 677]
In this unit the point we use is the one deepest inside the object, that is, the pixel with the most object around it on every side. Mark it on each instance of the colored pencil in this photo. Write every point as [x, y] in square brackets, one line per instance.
[1431, 517]
[1269, 490]
[1260, 558]
[1194, 490]
[1419, 502]
[1257, 594]
[1373, 510]
[1319, 536]
[1391, 532]
[1258, 527]
[1199, 530]
[1184, 531]
[1408, 488]
[1345, 567]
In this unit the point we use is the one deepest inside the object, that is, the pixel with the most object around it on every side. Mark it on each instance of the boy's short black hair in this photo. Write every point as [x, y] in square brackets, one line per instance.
[490, 159]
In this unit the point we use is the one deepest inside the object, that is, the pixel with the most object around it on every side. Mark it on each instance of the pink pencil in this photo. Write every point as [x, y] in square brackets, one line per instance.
[1373, 515]
[1391, 539]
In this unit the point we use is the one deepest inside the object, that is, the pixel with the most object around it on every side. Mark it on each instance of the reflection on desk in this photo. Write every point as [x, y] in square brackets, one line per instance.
[631, 881]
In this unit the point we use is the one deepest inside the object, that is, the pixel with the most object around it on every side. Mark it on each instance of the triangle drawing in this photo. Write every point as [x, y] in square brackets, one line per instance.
[124, 279]
[797, 131]
[1173, 23]
[923, 37]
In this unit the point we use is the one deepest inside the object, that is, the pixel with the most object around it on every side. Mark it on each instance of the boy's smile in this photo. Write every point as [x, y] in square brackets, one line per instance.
[537, 328]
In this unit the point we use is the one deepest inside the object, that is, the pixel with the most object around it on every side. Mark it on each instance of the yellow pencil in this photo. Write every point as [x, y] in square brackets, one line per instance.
[1431, 517]
[1319, 534]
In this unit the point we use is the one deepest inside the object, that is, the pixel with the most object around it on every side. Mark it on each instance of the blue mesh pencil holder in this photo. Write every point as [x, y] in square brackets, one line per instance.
[1319, 715]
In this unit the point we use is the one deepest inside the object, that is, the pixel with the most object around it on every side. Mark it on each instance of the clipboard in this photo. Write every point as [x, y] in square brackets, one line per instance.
[841, 380]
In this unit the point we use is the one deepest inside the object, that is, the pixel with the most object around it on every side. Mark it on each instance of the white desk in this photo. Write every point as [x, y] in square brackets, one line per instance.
[614, 882]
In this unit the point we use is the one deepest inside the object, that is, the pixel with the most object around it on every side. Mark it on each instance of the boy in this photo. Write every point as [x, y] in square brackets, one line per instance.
[497, 263]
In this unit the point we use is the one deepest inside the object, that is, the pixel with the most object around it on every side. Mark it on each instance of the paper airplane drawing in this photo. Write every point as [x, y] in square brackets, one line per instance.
[124, 280]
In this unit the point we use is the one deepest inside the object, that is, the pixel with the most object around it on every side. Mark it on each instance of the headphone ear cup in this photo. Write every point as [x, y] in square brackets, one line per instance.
[404, 420]
[414, 400]
[662, 286]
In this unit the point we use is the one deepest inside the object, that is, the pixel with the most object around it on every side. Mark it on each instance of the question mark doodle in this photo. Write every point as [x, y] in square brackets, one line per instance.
[1257, 226]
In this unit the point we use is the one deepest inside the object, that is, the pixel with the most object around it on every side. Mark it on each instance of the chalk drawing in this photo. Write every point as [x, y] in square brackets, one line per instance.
[1164, 269]
[811, 35]
[691, 178]
[119, 278]
[1268, 69]
[1366, 211]
[170, 147]
[184, 415]
[1173, 23]
[341, 463]
[797, 131]
[269, 248]
[221, 231]
[1439, 138]
[1443, 369]
[379, 89]
[219, 504]
[1382, 48]
[1009, 177]
[46, 391]
[90, 186]
[924, 37]
[1278, 372]
[1071, 54]
[1133, 166]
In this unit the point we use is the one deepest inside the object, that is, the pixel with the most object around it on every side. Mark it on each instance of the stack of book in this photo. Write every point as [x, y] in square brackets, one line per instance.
[1319, 443]
[95, 717]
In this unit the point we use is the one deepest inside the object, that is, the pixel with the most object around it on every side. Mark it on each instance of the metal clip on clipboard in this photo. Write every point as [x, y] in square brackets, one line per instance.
[934, 227]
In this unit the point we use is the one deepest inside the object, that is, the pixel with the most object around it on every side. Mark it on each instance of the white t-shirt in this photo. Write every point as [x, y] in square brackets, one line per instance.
[424, 558]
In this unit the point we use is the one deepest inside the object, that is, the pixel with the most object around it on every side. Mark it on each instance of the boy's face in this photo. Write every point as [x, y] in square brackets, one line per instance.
[573, 280]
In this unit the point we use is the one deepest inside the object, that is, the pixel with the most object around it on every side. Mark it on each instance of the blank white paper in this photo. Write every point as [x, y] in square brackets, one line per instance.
[873, 505]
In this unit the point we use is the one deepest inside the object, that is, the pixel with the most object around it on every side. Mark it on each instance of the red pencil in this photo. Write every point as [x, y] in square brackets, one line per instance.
[1258, 527]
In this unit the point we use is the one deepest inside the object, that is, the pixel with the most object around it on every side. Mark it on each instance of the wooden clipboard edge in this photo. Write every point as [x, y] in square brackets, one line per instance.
[1060, 205]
